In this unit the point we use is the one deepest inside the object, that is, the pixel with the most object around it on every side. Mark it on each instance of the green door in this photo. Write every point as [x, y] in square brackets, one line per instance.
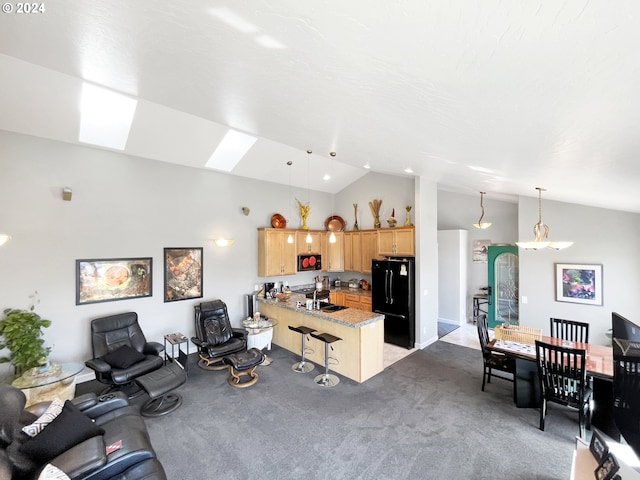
[503, 285]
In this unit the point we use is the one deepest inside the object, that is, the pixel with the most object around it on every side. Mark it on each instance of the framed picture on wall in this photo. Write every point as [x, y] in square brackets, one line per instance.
[182, 273]
[576, 283]
[106, 280]
[480, 250]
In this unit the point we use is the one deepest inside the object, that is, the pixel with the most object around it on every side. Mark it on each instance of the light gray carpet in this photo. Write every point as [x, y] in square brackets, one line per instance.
[424, 417]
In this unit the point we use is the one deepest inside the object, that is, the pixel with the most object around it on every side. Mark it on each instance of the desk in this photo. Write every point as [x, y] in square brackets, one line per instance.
[58, 381]
[599, 367]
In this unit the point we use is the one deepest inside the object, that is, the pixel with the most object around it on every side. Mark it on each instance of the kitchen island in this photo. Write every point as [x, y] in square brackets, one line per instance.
[359, 353]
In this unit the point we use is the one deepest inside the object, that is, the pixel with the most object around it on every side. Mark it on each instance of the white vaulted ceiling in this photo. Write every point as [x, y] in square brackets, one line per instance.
[492, 95]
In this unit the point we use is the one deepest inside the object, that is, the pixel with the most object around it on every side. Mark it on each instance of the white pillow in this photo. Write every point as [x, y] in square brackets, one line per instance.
[51, 472]
[45, 419]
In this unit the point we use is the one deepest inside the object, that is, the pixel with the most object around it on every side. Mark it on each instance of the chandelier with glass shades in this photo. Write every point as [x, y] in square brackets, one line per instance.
[541, 232]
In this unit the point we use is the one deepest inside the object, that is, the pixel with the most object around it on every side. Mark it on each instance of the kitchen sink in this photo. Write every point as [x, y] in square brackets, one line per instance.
[333, 308]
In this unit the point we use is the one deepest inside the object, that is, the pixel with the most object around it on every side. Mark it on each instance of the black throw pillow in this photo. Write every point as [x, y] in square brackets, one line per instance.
[67, 430]
[123, 357]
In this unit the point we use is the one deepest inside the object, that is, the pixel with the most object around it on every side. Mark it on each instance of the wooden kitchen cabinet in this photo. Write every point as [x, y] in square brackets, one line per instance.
[368, 245]
[352, 301]
[305, 248]
[365, 303]
[352, 252]
[275, 255]
[333, 253]
[396, 241]
[337, 298]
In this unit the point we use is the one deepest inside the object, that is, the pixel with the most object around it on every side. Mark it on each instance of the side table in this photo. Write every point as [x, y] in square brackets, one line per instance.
[57, 381]
[176, 340]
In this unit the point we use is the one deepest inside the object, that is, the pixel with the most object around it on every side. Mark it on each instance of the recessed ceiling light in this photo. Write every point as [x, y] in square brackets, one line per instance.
[408, 170]
[326, 177]
[367, 166]
[105, 117]
[230, 151]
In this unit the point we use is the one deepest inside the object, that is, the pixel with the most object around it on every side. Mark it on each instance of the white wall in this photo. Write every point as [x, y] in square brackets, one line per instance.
[601, 236]
[453, 258]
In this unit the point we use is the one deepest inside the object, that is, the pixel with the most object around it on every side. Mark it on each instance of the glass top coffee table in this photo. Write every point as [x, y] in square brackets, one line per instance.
[41, 385]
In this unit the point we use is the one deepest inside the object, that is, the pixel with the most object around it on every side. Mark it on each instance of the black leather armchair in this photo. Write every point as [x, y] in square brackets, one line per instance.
[121, 351]
[116, 420]
[215, 338]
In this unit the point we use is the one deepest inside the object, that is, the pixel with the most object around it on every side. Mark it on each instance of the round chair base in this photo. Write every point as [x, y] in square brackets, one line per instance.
[235, 377]
[211, 364]
[326, 380]
[162, 405]
[302, 367]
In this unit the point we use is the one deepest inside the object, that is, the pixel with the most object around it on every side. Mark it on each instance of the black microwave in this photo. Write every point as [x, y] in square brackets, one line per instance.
[309, 262]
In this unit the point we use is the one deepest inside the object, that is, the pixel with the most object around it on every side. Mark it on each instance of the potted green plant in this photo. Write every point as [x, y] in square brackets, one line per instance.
[21, 332]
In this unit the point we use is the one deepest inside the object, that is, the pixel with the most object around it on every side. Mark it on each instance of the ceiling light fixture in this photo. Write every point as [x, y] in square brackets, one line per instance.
[332, 235]
[541, 232]
[308, 239]
[480, 223]
[4, 238]
[290, 237]
[408, 170]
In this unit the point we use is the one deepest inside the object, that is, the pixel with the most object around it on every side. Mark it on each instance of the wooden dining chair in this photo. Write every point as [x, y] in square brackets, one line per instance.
[493, 360]
[570, 330]
[562, 372]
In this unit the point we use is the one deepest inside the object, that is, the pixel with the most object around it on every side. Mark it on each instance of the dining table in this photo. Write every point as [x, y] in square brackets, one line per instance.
[599, 370]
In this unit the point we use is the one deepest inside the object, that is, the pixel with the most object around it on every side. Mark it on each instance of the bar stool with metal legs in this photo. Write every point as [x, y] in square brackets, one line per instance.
[326, 379]
[302, 366]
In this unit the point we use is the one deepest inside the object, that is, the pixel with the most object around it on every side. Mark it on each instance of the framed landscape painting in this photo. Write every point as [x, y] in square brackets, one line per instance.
[106, 280]
[577, 283]
[182, 273]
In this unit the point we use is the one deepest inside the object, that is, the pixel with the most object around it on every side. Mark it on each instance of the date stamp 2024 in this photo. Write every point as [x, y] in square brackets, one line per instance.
[20, 8]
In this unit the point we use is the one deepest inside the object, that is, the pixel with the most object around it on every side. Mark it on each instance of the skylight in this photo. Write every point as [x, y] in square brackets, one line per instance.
[230, 151]
[105, 117]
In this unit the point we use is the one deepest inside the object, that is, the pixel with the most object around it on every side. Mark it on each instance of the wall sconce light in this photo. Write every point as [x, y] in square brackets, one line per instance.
[66, 194]
[4, 238]
[223, 242]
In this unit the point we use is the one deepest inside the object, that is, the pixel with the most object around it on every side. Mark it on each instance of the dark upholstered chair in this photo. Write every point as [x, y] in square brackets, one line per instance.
[570, 330]
[563, 380]
[215, 338]
[121, 351]
[493, 360]
[626, 395]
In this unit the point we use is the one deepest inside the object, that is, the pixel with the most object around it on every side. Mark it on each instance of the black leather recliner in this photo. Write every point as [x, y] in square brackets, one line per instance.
[121, 351]
[87, 460]
[215, 338]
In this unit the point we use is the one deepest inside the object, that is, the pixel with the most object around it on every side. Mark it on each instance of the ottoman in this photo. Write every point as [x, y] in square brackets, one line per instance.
[243, 364]
[159, 384]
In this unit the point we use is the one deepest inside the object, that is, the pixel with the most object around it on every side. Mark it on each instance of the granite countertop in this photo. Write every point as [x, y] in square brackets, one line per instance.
[350, 317]
[352, 291]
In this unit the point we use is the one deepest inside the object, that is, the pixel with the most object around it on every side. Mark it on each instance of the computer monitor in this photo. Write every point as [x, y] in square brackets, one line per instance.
[626, 336]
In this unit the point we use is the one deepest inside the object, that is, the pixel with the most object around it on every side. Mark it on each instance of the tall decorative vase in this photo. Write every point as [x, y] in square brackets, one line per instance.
[355, 216]
[407, 222]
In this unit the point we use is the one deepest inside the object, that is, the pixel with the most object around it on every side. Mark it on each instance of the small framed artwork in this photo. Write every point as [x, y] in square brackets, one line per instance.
[576, 283]
[106, 280]
[598, 446]
[607, 468]
[480, 250]
[182, 273]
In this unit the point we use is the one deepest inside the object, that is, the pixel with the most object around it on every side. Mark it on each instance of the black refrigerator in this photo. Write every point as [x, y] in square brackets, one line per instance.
[393, 294]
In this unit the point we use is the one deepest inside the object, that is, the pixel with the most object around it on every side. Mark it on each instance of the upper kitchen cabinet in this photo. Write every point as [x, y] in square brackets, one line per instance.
[316, 242]
[368, 245]
[275, 255]
[352, 252]
[333, 254]
[396, 241]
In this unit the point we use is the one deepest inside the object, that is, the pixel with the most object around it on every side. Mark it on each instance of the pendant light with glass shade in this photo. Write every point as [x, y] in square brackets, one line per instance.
[480, 223]
[308, 239]
[332, 235]
[290, 237]
[541, 232]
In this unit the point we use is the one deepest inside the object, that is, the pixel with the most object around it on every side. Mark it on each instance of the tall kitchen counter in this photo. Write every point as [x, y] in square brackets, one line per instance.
[359, 353]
